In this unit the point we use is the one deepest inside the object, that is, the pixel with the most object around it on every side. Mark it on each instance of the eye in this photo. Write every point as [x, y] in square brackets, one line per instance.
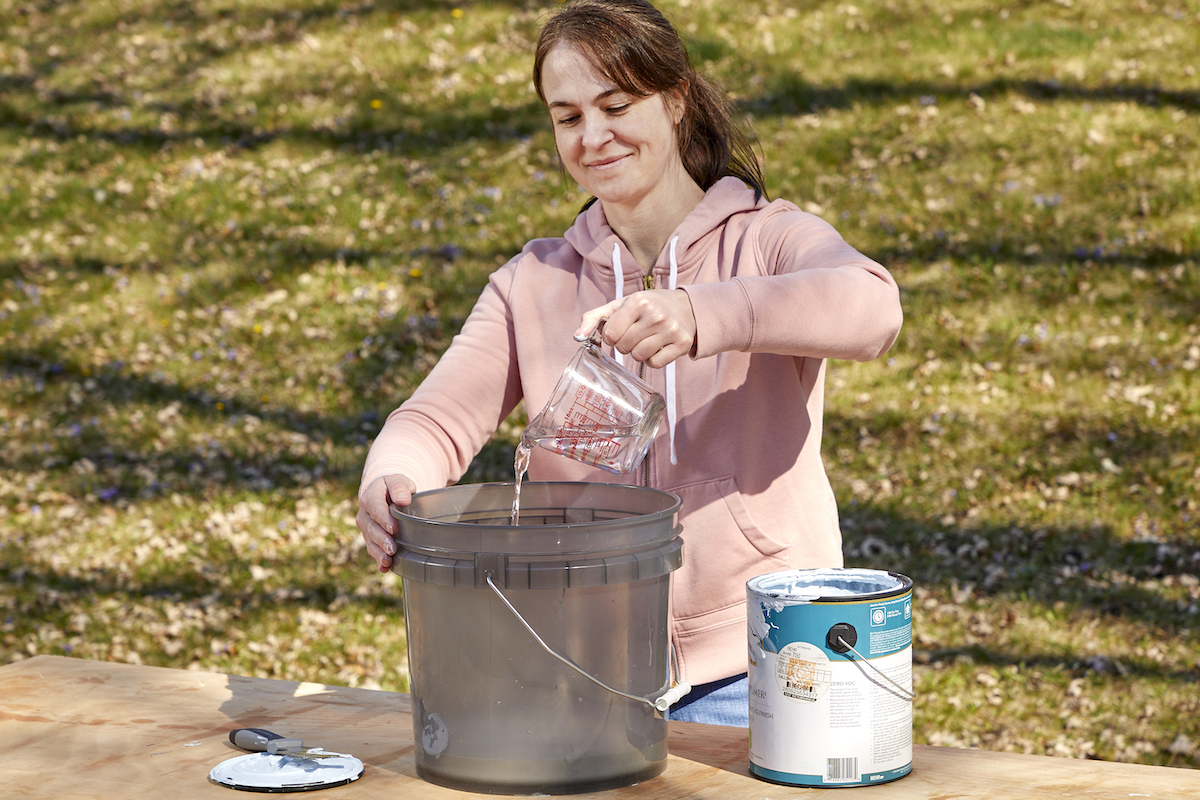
[567, 121]
[618, 109]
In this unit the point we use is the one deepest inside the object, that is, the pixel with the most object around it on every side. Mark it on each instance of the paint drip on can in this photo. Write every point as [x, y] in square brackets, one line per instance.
[830, 676]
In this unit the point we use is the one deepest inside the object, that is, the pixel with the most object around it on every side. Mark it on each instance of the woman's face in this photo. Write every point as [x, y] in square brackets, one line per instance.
[620, 147]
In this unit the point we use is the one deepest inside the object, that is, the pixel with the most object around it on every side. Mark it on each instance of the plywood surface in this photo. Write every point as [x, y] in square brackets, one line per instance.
[71, 728]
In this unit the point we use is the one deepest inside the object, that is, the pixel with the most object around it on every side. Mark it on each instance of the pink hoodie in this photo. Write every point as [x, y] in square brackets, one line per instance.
[775, 292]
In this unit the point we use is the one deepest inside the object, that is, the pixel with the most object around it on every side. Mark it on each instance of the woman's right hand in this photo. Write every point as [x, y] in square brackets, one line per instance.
[375, 517]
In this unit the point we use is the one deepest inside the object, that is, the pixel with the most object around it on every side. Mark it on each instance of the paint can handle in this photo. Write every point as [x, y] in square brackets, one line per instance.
[837, 639]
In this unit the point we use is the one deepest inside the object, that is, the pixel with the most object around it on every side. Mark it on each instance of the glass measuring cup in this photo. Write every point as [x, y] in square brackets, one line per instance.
[599, 412]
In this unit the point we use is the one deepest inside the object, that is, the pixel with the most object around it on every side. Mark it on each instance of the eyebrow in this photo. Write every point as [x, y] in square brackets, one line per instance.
[602, 96]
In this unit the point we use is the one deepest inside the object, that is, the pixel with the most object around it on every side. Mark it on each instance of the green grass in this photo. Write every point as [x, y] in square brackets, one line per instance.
[233, 236]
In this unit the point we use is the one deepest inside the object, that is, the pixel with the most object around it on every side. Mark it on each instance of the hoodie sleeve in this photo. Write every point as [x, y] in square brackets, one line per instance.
[433, 436]
[797, 288]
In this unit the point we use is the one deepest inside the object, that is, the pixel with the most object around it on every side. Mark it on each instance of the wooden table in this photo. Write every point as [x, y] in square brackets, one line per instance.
[71, 728]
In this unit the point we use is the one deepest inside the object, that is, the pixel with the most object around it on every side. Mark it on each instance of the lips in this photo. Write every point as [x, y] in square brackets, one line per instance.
[604, 163]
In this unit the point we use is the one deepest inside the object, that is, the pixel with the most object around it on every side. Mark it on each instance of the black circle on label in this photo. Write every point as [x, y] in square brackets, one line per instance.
[841, 637]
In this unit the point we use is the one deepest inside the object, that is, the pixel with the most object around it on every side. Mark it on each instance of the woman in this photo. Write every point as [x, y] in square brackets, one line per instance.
[731, 303]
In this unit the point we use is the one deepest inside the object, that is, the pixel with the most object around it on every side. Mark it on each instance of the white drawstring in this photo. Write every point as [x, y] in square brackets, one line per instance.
[619, 277]
[671, 410]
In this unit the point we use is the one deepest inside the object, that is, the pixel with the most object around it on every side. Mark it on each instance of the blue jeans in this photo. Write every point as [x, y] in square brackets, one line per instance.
[723, 702]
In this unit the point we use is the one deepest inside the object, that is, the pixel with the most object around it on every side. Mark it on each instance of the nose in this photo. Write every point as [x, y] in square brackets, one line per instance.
[596, 131]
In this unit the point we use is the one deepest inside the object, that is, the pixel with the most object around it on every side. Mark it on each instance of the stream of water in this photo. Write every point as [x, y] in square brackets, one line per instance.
[520, 467]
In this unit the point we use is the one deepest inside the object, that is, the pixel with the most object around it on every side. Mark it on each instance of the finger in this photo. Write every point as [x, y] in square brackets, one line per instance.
[374, 518]
[653, 355]
[663, 339]
[591, 318]
[374, 534]
[646, 324]
[670, 330]
[382, 494]
[400, 490]
[375, 508]
[627, 323]
[380, 545]
[666, 355]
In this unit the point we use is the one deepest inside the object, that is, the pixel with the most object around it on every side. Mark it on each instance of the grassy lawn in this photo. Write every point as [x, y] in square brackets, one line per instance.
[234, 235]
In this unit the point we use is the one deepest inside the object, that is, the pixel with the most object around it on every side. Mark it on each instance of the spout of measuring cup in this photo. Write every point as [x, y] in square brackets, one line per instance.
[672, 695]
[536, 430]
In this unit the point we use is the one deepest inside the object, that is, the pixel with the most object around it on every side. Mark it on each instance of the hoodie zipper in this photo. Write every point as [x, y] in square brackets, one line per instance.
[648, 284]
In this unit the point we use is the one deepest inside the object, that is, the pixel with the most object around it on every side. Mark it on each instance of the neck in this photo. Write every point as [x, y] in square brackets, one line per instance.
[646, 227]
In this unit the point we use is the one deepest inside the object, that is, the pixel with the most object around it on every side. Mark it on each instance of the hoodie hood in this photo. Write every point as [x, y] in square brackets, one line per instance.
[595, 240]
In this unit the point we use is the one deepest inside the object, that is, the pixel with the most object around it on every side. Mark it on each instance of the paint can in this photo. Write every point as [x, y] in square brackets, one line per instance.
[830, 673]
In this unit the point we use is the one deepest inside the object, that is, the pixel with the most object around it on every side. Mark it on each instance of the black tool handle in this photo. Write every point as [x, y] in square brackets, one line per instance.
[253, 739]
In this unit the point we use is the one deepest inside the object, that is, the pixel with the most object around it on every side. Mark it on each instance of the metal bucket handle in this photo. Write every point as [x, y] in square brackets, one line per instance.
[662, 703]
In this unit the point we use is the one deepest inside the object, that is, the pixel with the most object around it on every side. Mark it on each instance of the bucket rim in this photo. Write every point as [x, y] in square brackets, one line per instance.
[673, 500]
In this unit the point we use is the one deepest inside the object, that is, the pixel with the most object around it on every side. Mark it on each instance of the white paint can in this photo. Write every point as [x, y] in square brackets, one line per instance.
[830, 676]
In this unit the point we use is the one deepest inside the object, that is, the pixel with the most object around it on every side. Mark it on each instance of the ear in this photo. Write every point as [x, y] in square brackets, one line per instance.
[676, 100]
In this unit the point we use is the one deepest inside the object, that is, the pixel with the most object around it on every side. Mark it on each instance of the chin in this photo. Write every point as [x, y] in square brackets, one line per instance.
[612, 195]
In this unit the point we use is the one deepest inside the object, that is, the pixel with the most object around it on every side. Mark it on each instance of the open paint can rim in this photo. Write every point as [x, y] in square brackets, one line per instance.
[829, 585]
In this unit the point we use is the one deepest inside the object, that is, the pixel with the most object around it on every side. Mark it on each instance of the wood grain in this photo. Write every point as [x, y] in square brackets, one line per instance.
[74, 729]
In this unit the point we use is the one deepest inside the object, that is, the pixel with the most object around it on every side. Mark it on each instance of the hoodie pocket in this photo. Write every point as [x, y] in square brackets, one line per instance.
[722, 548]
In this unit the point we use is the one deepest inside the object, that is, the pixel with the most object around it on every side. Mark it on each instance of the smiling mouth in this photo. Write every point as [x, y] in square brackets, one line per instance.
[608, 162]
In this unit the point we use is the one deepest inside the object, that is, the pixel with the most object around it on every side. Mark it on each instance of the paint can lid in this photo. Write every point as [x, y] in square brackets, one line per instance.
[264, 772]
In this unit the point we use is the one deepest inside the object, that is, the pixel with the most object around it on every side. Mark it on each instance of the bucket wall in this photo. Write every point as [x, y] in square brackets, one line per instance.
[821, 714]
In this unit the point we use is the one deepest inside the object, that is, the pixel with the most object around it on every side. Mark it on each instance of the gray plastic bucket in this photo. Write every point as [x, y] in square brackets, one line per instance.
[588, 569]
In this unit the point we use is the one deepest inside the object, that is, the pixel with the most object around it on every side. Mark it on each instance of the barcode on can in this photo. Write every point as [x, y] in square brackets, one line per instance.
[841, 770]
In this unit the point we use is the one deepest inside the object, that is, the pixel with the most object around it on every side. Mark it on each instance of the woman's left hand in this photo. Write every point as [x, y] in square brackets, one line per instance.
[654, 327]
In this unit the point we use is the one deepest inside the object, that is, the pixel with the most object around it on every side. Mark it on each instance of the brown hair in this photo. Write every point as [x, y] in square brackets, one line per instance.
[632, 44]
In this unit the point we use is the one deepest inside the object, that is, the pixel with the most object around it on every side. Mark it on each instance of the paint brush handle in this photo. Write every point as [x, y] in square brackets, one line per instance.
[259, 740]
[256, 740]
